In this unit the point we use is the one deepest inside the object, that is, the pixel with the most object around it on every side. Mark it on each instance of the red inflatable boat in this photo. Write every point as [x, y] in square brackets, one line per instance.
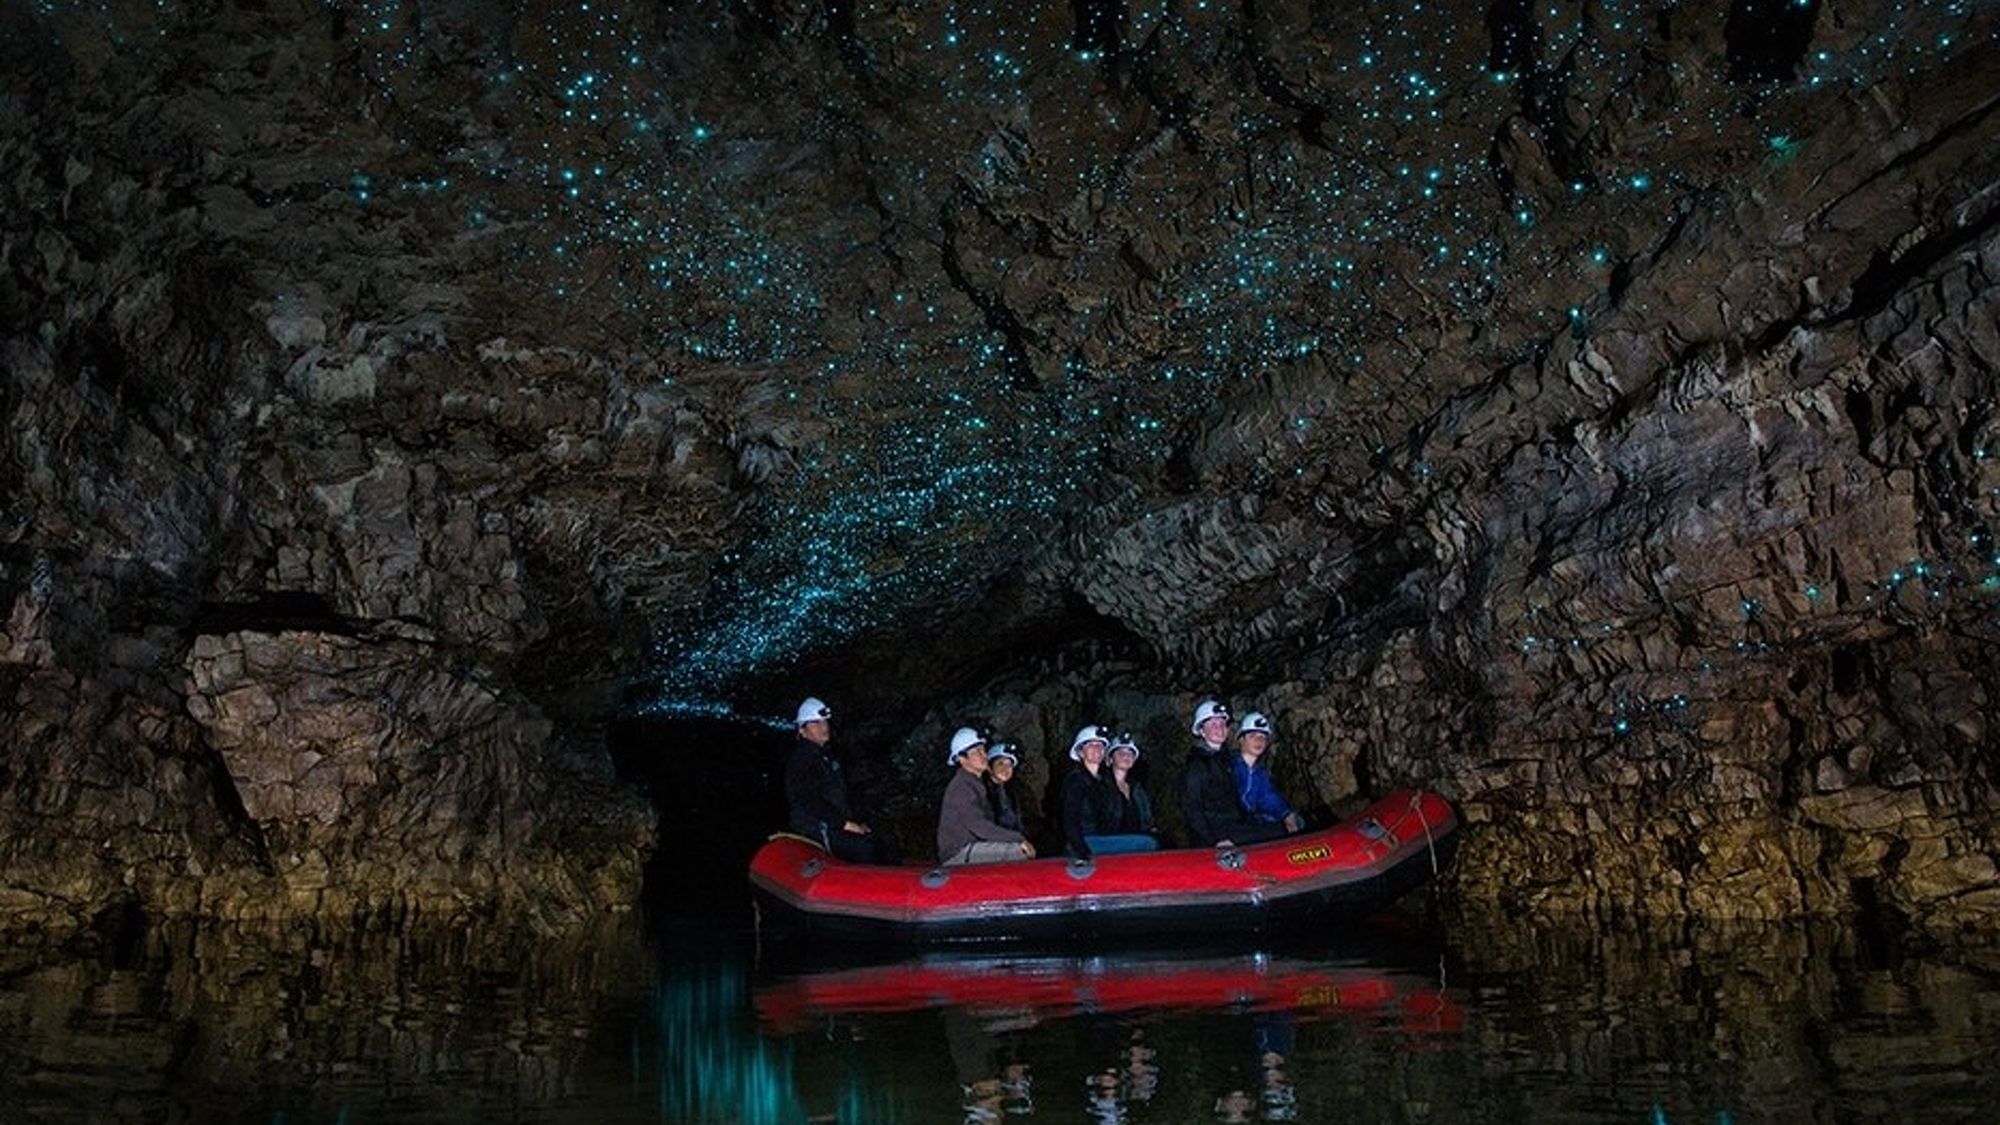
[1341, 872]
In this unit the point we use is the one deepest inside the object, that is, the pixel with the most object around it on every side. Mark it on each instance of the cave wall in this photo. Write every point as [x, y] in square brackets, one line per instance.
[1582, 409]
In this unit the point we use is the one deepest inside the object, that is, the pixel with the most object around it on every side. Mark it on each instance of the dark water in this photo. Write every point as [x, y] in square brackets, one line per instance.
[684, 1021]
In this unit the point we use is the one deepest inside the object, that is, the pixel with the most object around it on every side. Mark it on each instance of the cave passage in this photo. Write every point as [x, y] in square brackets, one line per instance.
[718, 787]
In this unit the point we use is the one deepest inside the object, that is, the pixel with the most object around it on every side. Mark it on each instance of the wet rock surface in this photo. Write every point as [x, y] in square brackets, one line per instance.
[1588, 416]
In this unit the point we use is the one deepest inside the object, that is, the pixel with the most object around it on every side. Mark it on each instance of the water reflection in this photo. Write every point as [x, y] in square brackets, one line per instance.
[1022, 991]
[397, 1022]
[1088, 1031]
[369, 1021]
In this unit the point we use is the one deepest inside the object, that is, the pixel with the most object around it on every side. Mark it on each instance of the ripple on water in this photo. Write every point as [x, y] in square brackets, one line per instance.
[418, 1023]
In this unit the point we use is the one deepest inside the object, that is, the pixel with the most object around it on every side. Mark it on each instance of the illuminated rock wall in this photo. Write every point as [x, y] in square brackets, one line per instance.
[1582, 408]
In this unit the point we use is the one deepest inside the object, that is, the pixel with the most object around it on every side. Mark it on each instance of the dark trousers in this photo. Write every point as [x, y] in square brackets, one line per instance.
[856, 847]
[1252, 832]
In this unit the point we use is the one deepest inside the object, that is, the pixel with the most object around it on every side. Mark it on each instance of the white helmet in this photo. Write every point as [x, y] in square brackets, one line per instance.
[812, 711]
[1256, 723]
[1091, 733]
[1001, 750]
[1209, 709]
[962, 740]
[1124, 741]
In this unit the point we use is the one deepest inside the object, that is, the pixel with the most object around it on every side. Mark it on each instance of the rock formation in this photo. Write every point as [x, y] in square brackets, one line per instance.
[1586, 411]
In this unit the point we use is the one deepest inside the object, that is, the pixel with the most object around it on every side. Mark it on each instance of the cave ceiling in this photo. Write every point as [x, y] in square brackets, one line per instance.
[706, 342]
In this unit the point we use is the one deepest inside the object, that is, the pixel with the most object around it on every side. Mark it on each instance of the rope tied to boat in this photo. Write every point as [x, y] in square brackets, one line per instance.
[1417, 806]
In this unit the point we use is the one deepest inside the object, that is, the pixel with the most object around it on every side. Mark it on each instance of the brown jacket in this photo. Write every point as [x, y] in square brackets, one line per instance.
[967, 817]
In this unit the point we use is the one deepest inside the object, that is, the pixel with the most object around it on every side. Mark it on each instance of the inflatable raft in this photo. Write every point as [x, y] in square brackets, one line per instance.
[1339, 873]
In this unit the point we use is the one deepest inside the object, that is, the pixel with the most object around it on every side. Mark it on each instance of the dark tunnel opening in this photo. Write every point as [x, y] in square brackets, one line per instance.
[1765, 40]
[717, 787]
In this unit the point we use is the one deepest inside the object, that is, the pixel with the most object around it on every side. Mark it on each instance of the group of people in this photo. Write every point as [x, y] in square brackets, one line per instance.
[1227, 796]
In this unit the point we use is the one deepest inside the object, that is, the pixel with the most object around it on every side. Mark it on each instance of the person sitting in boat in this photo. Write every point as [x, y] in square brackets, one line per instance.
[1091, 806]
[967, 832]
[820, 803]
[1262, 804]
[1208, 792]
[1082, 800]
[1000, 762]
[1130, 806]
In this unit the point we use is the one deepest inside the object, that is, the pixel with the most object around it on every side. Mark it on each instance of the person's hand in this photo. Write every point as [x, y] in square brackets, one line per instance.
[1225, 843]
[1027, 850]
[855, 826]
[1294, 822]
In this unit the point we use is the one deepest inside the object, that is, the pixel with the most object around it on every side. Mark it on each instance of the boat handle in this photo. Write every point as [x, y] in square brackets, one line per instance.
[1230, 859]
[1376, 830]
[934, 878]
[811, 867]
[1080, 869]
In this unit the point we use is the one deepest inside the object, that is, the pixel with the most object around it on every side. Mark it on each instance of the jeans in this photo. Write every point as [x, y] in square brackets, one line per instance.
[1121, 844]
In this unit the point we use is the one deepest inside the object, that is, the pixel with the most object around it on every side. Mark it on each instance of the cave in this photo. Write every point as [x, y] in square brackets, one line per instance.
[445, 441]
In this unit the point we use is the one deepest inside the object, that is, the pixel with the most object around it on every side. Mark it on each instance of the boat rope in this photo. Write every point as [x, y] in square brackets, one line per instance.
[1417, 804]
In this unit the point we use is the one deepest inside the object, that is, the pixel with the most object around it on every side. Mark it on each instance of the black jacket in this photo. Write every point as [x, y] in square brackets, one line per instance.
[1005, 813]
[1086, 811]
[1208, 797]
[1125, 816]
[817, 798]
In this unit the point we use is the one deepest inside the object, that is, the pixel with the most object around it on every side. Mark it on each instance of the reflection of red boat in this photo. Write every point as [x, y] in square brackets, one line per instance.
[1054, 987]
[1350, 869]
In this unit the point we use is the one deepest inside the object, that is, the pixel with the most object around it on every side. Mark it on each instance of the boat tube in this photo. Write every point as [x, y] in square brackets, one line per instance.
[1336, 874]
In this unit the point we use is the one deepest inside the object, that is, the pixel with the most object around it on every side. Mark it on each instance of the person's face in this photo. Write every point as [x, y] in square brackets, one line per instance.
[973, 760]
[1123, 757]
[1255, 742]
[1215, 730]
[817, 730]
[1092, 753]
[1000, 768]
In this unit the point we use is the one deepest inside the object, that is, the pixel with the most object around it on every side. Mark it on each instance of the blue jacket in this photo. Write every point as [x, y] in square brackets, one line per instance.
[1257, 792]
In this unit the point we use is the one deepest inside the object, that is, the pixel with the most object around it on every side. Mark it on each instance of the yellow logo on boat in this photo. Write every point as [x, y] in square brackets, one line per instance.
[1308, 855]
